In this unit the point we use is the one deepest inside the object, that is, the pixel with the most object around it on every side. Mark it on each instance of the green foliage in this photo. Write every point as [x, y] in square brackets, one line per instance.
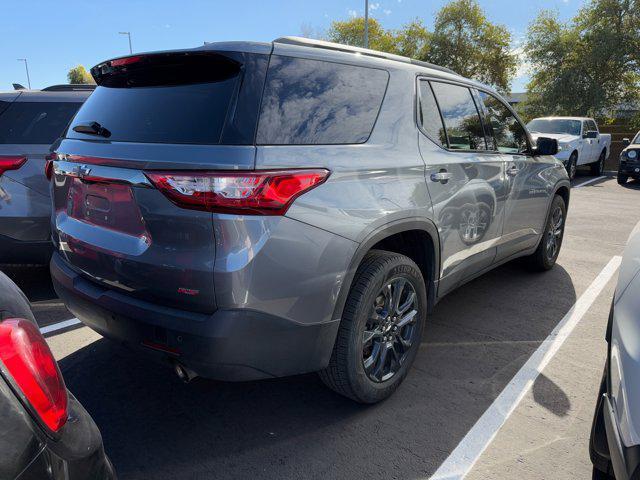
[463, 40]
[587, 66]
[79, 74]
[351, 32]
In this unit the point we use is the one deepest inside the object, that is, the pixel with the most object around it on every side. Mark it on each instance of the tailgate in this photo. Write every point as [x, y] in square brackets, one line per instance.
[114, 228]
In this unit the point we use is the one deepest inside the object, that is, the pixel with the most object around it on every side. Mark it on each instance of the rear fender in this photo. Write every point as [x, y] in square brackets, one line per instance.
[380, 234]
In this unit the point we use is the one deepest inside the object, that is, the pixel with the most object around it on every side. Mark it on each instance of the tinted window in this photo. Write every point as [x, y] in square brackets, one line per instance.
[429, 115]
[183, 114]
[591, 126]
[176, 98]
[315, 102]
[510, 136]
[35, 122]
[461, 118]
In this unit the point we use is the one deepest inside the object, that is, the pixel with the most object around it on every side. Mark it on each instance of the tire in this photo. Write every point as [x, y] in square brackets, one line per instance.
[544, 258]
[622, 179]
[346, 373]
[597, 168]
[572, 165]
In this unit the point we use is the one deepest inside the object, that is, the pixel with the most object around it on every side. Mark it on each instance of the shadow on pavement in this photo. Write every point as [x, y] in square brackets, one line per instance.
[154, 426]
[632, 185]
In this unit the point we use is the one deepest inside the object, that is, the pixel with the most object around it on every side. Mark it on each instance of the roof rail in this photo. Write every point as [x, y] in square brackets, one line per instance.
[308, 42]
[70, 87]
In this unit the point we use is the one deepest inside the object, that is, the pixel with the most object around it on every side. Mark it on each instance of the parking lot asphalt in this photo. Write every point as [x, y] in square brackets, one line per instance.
[477, 340]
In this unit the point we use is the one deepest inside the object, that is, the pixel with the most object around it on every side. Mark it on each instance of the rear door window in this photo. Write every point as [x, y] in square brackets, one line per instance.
[429, 116]
[509, 134]
[31, 123]
[461, 117]
[309, 102]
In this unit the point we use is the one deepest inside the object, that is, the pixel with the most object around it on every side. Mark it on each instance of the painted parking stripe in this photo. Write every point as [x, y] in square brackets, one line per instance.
[466, 454]
[59, 326]
[589, 181]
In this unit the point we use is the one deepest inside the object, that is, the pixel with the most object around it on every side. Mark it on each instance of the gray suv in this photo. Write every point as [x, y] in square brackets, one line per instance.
[255, 210]
[30, 121]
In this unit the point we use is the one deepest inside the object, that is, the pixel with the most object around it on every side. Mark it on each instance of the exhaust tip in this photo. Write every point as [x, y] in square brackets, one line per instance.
[183, 372]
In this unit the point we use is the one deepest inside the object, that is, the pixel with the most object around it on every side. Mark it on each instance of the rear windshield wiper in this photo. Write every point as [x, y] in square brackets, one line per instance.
[92, 128]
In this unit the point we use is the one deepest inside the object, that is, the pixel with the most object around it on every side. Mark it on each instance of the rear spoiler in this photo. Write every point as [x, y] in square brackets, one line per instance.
[70, 87]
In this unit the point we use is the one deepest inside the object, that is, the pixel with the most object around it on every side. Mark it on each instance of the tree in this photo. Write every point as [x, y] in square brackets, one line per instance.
[351, 32]
[413, 40]
[79, 74]
[587, 66]
[465, 41]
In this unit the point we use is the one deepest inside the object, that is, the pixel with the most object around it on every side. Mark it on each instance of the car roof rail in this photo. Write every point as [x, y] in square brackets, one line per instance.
[308, 42]
[70, 87]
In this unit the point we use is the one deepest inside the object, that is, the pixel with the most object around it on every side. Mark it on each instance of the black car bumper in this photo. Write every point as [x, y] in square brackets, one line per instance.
[18, 252]
[625, 460]
[78, 454]
[630, 169]
[232, 345]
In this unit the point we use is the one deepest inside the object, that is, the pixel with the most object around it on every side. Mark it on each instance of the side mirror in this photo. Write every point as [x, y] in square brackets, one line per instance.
[626, 142]
[591, 134]
[546, 146]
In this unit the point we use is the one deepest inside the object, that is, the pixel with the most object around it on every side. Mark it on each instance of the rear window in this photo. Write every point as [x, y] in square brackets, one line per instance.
[309, 102]
[34, 122]
[171, 98]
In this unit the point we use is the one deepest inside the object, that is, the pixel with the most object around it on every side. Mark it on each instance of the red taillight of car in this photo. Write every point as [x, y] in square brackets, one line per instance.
[48, 165]
[248, 193]
[28, 359]
[11, 162]
[119, 62]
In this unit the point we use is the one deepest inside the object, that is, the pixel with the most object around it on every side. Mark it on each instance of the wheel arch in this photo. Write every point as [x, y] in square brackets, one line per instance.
[564, 190]
[416, 238]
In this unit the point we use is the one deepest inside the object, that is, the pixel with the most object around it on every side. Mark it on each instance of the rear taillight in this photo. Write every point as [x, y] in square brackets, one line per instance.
[252, 193]
[11, 162]
[28, 360]
[48, 165]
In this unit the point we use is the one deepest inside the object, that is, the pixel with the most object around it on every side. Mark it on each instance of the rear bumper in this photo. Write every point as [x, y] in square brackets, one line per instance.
[23, 252]
[77, 455]
[625, 460]
[232, 345]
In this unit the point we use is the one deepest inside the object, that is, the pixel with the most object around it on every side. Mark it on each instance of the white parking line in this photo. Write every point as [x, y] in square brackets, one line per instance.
[59, 326]
[589, 181]
[466, 454]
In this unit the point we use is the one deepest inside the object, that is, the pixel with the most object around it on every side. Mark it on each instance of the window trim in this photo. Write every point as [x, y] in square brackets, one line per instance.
[429, 79]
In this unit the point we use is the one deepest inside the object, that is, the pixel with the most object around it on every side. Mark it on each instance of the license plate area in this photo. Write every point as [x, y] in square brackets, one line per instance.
[106, 205]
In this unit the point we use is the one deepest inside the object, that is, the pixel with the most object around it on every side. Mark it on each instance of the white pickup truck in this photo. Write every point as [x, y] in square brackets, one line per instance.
[579, 139]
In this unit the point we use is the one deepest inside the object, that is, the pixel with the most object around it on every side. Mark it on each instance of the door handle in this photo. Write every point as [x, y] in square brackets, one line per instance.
[442, 176]
[513, 171]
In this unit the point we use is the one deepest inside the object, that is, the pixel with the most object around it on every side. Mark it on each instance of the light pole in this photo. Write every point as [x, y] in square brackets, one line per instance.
[128, 34]
[366, 23]
[26, 67]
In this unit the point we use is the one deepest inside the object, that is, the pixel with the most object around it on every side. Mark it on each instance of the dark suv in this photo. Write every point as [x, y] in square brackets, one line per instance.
[30, 121]
[251, 210]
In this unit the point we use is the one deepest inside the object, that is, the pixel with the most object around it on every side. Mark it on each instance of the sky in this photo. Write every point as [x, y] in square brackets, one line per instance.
[55, 36]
